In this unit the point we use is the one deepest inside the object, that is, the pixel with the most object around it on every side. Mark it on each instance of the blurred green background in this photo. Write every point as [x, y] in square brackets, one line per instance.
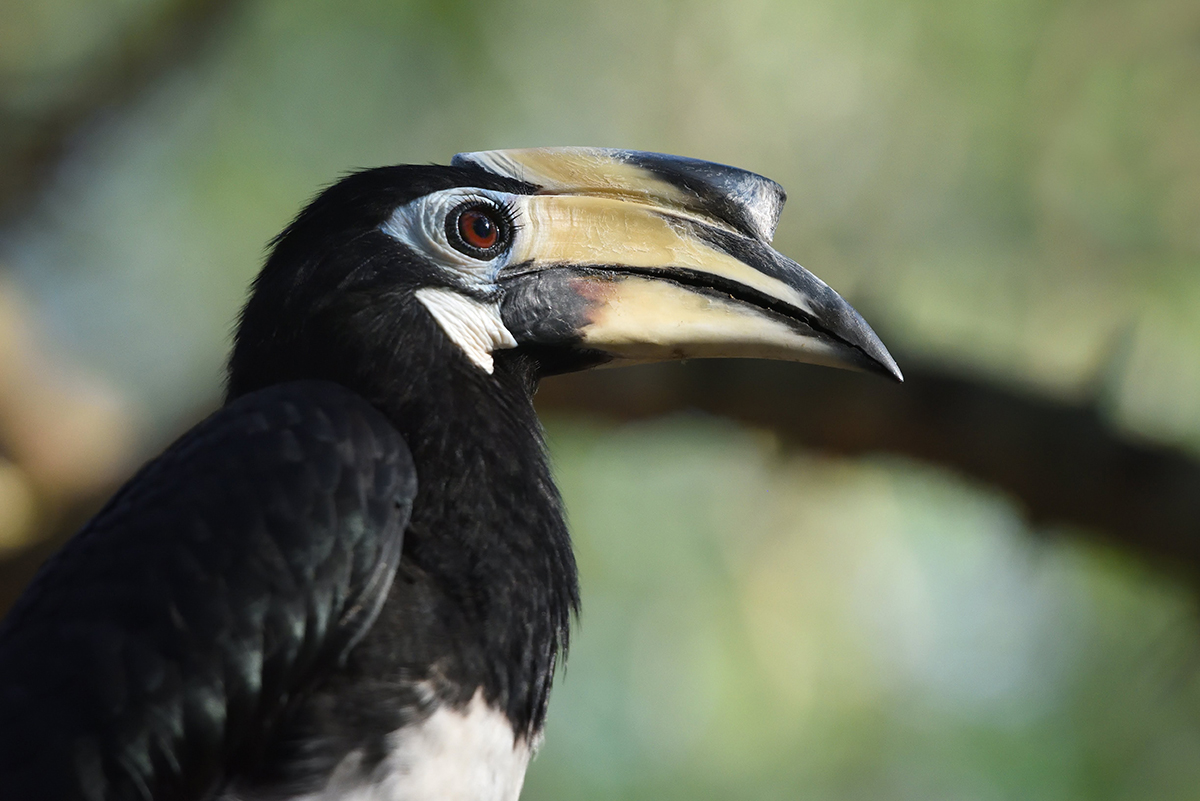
[1008, 189]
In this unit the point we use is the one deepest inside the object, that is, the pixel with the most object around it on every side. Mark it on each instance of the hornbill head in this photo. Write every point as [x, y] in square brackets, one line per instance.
[569, 257]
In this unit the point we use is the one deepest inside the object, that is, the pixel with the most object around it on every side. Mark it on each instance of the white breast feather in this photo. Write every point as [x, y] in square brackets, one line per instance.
[453, 755]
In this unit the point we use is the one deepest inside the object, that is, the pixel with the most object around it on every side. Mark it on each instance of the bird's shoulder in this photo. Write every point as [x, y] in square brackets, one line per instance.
[222, 580]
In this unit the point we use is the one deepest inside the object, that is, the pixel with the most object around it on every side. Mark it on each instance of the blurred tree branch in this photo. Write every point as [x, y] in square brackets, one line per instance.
[35, 135]
[1064, 463]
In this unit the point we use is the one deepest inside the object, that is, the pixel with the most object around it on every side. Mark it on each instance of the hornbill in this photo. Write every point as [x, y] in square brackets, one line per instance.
[354, 579]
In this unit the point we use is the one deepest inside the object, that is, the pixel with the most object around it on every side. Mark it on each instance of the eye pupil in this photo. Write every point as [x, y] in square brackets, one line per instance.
[482, 227]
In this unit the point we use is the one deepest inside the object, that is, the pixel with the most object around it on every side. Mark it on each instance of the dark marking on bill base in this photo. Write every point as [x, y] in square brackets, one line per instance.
[548, 310]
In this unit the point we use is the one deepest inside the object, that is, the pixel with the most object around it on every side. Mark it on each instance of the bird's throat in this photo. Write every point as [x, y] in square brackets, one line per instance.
[487, 542]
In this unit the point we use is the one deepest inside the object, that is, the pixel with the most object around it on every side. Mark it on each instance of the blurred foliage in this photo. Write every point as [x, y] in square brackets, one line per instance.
[65, 435]
[758, 626]
[49, 48]
[1012, 187]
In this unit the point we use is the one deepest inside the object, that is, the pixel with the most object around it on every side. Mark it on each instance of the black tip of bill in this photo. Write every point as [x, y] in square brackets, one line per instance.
[883, 363]
[863, 349]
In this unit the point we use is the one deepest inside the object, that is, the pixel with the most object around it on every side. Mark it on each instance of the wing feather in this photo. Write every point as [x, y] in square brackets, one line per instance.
[154, 654]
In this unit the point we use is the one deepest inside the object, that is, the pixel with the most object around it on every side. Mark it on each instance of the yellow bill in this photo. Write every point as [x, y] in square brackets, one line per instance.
[625, 256]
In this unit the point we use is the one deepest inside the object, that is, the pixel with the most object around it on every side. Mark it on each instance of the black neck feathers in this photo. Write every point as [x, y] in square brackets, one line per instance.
[488, 583]
[488, 529]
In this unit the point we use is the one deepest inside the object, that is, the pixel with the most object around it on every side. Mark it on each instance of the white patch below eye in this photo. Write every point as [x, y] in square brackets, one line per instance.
[475, 327]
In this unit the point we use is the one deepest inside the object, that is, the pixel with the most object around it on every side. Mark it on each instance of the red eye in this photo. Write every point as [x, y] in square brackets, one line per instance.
[478, 229]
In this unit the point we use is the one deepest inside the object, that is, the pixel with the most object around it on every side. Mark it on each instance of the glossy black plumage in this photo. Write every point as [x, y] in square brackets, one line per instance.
[468, 610]
[487, 537]
[160, 648]
[365, 546]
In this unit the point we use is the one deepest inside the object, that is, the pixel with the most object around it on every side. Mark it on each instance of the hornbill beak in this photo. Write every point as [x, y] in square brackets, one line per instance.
[644, 257]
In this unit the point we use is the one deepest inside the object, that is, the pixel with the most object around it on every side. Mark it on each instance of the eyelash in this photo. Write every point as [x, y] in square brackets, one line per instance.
[506, 207]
